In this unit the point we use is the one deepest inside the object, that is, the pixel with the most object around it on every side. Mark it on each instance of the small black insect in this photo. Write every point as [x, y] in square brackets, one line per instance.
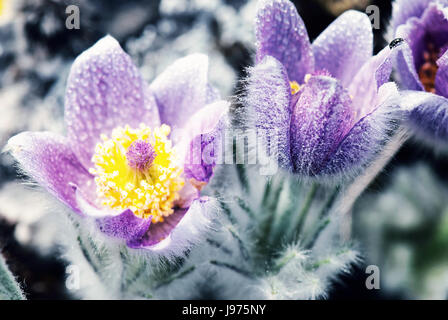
[395, 43]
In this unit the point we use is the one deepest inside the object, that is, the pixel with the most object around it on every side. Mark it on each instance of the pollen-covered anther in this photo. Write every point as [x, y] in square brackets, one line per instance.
[428, 70]
[296, 87]
[138, 169]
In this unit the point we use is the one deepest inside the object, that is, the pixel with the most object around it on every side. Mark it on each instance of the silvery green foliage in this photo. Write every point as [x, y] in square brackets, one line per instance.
[404, 231]
[268, 244]
[109, 269]
[264, 244]
[9, 288]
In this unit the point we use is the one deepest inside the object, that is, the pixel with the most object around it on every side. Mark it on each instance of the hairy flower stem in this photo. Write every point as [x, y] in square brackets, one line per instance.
[315, 207]
[306, 207]
[362, 182]
[322, 219]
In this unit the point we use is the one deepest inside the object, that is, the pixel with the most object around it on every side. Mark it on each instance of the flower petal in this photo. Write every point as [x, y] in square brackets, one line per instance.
[159, 231]
[442, 75]
[373, 74]
[367, 136]
[427, 115]
[206, 119]
[344, 46]
[268, 100]
[431, 26]
[320, 119]
[122, 225]
[182, 89]
[180, 230]
[435, 20]
[406, 70]
[414, 33]
[104, 90]
[281, 33]
[47, 158]
[125, 226]
[419, 31]
[402, 10]
[203, 140]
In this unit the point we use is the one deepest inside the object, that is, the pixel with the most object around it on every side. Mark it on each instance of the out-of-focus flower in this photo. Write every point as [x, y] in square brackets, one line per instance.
[336, 7]
[126, 160]
[328, 102]
[404, 231]
[6, 11]
[424, 66]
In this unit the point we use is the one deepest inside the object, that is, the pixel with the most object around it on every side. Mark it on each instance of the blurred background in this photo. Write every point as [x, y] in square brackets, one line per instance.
[400, 224]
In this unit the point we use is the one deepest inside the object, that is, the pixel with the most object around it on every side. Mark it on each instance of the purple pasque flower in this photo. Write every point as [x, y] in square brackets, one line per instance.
[327, 102]
[121, 162]
[424, 65]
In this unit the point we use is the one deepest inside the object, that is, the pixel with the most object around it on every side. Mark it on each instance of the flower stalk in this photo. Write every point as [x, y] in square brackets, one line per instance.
[357, 187]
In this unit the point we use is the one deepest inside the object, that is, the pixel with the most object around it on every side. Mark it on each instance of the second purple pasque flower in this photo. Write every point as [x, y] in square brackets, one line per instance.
[329, 102]
[424, 66]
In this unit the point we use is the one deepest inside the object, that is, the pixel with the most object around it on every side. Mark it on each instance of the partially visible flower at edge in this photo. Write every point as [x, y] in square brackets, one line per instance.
[329, 102]
[423, 67]
[122, 163]
[6, 11]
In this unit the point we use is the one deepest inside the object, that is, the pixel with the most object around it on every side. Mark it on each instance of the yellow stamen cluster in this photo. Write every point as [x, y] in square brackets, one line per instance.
[295, 87]
[149, 191]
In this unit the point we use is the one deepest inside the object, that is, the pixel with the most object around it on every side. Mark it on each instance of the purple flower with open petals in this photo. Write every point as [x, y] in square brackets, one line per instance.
[424, 66]
[329, 102]
[124, 161]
